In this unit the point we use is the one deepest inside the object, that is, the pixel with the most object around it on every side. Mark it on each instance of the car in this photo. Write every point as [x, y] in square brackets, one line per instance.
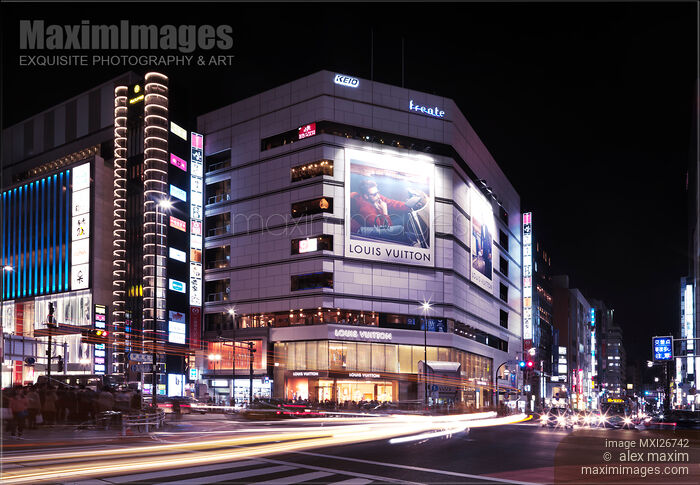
[188, 405]
[558, 419]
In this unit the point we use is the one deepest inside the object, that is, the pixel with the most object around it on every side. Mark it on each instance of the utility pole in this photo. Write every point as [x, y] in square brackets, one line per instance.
[251, 350]
[50, 324]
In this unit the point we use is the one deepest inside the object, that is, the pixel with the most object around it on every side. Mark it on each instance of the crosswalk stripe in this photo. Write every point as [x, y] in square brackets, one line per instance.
[236, 475]
[295, 478]
[353, 481]
[167, 473]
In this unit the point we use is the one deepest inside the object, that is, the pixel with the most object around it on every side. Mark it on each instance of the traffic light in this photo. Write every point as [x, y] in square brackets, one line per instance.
[29, 360]
[530, 364]
[96, 334]
[522, 364]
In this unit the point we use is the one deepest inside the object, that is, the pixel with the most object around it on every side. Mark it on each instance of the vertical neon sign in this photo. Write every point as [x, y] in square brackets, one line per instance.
[527, 280]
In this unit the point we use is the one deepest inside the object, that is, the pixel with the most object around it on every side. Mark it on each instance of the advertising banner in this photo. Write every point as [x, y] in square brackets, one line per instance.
[389, 208]
[483, 227]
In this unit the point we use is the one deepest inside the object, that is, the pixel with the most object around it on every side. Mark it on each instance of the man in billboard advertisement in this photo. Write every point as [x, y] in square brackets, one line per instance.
[389, 211]
[482, 241]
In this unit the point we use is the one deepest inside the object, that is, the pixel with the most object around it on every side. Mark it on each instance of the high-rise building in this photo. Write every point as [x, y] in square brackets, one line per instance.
[335, 207]
[572, 321]
[56, 235]
[538, 331]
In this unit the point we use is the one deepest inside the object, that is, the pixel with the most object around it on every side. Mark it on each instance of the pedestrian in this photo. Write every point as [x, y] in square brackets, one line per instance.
[33, 407]
[18, 406]
[48, 408]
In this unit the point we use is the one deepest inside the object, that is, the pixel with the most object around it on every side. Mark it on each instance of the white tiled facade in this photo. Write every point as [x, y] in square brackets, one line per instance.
[262, 227]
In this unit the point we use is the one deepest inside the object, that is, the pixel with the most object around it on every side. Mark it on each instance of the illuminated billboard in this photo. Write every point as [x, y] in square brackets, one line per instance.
[80, 242]
[389, 208]
[483, 227]
[527, 280]
[196, 215]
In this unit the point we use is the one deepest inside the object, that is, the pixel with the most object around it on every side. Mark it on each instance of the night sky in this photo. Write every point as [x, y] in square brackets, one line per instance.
[587, 108]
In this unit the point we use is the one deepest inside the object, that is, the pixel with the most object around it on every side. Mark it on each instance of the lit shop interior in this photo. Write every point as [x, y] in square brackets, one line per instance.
[341, 371]
[219, 372]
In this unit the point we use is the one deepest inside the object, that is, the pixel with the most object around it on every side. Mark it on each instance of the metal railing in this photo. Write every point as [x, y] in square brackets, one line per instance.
[216, 231]
[218, 263]
[218, 198]
[220, 296]
[146, 421]
[218, 166]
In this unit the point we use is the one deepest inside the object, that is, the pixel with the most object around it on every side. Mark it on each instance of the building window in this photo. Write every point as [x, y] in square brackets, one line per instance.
[503, 239]
[312, 244]
[504, 292]
[504, 318]
[313, 169]
[503, 215]
[217, 161]
[503, 265]
[315, 206]
[219, 257]
[311, 281]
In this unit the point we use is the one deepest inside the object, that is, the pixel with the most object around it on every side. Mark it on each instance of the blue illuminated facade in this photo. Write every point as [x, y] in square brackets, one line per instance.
[36, 227]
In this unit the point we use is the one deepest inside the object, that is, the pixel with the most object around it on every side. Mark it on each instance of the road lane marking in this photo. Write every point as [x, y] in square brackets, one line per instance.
[415, 468]
[236, 475]
[173, 471]
[296, 478]
[353, 481]
[341, 472]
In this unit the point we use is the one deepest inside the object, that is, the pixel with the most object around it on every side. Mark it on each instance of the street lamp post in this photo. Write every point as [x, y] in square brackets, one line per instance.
[232, 313]
[214, 358]
[425, 307]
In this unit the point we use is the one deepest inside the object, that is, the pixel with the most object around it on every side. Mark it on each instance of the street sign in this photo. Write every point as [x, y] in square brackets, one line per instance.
[142, 367]
[140, 357]
[663, 348]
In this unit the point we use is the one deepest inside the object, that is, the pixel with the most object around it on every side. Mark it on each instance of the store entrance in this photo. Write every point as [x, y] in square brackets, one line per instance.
[351, 390]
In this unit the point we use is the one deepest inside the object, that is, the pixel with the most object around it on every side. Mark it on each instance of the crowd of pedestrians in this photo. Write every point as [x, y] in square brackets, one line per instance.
[41, 405]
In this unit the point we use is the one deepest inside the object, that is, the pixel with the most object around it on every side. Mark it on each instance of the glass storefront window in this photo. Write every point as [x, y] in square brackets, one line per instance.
[336, 355]
[311, 355]
[391, 358]
[322, 355]
[301, 355]
[378, 357]
[350, 355]
[364, 356]
[291, 355]
[405, 359]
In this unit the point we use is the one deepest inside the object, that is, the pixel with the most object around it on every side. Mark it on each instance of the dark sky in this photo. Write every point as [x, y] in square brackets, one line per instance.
[586, 107]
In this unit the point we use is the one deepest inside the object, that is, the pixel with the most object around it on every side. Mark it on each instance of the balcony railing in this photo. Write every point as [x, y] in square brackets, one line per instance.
[217, 263]
[217, 231]
[218, 198]
[220, 296]
[212, 167]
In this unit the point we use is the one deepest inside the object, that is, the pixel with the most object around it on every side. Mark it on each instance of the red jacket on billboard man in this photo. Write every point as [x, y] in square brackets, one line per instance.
[371, 213]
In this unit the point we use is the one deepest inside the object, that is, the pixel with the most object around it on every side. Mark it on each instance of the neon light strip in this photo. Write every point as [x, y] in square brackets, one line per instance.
[69, 229]
[4, 245]
[13, 274]
[59, 199]
[41, 255]
[20, 243]
[30, 265]
[55, 249]
[36, 238]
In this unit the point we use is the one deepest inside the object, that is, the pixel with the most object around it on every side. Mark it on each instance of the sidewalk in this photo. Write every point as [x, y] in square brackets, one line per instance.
[67, 435]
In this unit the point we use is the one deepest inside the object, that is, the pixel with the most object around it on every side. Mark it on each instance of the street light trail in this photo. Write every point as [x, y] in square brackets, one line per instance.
[181, 455]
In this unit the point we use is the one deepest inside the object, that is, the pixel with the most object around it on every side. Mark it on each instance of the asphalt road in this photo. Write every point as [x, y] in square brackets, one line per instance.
[519, 453]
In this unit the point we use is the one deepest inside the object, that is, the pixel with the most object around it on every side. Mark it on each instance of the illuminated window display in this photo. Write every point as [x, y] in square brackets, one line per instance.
[362, 369]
